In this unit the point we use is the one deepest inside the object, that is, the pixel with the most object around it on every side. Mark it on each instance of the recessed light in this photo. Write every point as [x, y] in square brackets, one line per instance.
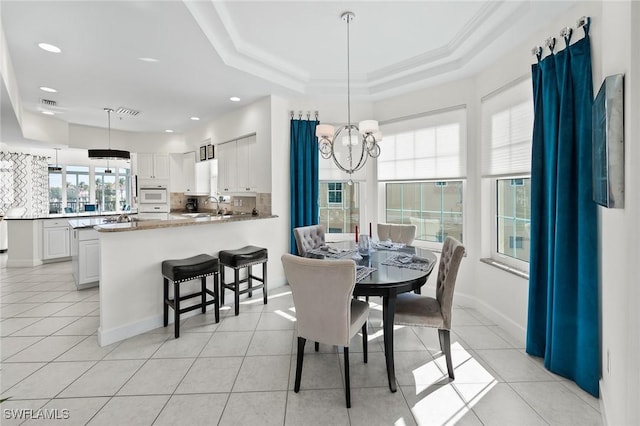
[149, 59]
[48, 112]
[234, 99]
[48, 89]
[49, 47]
[195, 118]
[168, 131]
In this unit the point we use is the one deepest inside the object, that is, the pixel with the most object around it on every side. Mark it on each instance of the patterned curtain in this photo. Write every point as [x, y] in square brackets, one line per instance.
[24, 181]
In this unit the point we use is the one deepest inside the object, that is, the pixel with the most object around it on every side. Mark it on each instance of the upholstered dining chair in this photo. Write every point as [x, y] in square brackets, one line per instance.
[326, 311]
[308, 238]
[423, 311]
[397, 233]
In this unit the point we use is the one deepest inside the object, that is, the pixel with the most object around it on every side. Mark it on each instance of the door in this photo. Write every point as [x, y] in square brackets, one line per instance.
[56, 242]
[89, 261]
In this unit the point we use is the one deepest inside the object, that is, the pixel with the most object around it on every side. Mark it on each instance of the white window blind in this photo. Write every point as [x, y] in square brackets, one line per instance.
[427, 147]
[507, 127]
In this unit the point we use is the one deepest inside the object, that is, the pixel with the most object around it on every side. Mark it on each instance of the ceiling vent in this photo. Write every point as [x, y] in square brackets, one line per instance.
[48, 102]
[127, 111]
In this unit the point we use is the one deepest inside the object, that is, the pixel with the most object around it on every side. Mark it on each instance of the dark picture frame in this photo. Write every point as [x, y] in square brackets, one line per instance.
[210, 152]
[203, 153]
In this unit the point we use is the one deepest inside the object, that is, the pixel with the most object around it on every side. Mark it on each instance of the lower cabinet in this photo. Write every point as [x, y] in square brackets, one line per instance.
[55, 239]
[85, 259]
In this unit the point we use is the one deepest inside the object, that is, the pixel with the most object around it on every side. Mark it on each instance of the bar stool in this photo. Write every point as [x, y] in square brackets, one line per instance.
[182, 270]
[246, 257]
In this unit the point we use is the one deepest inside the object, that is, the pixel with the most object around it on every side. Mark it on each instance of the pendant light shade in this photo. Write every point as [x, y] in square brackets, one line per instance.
[109, 154]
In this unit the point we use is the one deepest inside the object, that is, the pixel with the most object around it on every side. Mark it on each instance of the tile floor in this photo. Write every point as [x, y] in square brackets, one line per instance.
[241, 370]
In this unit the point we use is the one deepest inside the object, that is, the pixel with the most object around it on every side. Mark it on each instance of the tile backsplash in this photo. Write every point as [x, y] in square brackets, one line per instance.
[240, 204]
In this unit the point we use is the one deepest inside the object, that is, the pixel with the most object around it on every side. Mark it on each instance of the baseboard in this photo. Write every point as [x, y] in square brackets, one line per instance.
[603, 404]
[23, 263]
[107, 337]
[490, 312]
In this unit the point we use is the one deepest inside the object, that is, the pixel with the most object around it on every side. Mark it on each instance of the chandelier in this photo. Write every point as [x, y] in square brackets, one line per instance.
[360, 142]
[109, 154]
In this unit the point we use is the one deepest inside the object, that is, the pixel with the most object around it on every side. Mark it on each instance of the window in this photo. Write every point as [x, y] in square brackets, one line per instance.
[55, 192]
[77, 180]
[513, 217]
[124, 189]
[339, 206]
[507, 121]
[434, 207]
[105, 190]
[421, 170]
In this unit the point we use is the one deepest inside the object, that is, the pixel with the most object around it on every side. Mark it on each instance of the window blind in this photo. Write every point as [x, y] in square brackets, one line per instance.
[427, 147]
[507, 127]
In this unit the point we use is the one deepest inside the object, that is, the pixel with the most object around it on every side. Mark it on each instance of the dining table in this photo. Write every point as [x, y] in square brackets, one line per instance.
[384, 271]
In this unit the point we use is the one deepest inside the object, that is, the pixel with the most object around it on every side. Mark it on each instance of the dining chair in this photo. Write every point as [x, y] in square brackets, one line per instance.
[423, 311]
[326, 311]
[308, 238]
[397, 233]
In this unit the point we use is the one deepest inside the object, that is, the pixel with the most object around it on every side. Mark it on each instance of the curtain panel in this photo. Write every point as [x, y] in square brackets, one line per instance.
[563, 314]
[304, 181]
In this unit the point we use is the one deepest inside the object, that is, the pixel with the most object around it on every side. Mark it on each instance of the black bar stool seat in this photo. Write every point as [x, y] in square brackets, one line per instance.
[182, 270]
[245, 257]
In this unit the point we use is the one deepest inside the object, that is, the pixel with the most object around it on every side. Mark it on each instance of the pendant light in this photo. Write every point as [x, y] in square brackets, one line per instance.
[56, 168]
[109, 154]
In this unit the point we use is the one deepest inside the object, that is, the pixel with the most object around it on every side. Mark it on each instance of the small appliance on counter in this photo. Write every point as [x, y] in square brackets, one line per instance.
[192, 205]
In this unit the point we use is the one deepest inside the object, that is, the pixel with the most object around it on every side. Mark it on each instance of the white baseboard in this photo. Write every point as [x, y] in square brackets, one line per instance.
[107, 337]
[510, 326]
[603, 404]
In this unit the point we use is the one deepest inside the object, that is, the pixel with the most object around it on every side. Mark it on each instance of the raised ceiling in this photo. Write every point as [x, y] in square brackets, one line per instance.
[208, 51]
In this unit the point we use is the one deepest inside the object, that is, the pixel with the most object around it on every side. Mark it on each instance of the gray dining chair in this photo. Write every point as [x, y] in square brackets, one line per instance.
[326, 311]
[397, 233]
[423, 311]
[308, 238]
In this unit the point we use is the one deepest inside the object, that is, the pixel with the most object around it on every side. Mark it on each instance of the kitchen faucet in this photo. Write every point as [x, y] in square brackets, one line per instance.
[217, 200]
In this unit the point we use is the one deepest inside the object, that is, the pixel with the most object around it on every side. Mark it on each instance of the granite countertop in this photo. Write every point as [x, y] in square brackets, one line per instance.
[87, 222]
[175, 221]
[69, 215]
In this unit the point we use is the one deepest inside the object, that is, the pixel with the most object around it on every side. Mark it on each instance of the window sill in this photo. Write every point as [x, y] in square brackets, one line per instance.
[506, 268]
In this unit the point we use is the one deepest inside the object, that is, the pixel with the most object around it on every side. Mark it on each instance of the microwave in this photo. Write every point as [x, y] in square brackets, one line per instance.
[152, 196]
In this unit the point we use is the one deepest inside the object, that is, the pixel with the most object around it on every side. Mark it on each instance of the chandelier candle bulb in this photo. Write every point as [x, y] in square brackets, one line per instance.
[368, 126]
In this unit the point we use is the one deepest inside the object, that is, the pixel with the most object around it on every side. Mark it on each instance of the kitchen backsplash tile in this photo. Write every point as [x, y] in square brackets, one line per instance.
[260, 202]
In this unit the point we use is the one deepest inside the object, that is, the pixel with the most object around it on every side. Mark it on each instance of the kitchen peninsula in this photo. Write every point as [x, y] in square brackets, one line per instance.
[131, 255]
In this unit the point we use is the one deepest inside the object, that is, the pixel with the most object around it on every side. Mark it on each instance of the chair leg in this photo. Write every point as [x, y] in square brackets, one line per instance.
[264, 282]
[445, 345]
[347, 383]
[203, 294]
[301, 342]
[317, 346]
[365, 342]
[222, 283]
[216, 294]
[176, 309]
[165, 309]
[249, 280]
[236, 290]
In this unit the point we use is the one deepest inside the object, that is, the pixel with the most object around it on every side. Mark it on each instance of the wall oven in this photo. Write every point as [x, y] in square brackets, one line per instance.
[152, 196]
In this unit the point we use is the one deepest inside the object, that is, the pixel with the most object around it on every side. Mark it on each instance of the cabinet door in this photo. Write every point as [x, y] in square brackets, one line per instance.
[161, 166]
[145, 166]
[243, 171]
[254, 163]
[227, 167]
[203, 177]
[56, 242]
[188, 171]
[89, 261]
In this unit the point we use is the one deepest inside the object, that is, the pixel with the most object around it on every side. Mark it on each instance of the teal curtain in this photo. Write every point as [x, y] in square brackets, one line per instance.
[304, 176]
[563, 314]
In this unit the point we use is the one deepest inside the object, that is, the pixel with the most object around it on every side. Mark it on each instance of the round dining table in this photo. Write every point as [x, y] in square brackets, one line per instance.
[387, 281]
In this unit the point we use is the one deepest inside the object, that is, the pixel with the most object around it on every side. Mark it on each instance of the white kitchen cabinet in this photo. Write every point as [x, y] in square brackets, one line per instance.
[196, 175]
[189, 172]
[238, 166]
[226, 167]
[85, 257]
[55, 239]
[153, 166]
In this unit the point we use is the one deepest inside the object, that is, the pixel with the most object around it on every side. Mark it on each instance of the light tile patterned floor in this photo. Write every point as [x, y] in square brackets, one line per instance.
[240, 371]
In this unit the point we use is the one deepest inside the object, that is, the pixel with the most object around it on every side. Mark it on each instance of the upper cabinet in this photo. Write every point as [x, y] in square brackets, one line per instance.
[196, 175]
[239, 168]
[153, 166]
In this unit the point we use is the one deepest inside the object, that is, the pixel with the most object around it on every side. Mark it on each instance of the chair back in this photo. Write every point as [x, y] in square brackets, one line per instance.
[452, 253]
[322, 292]
[308, 238]
[397, 233]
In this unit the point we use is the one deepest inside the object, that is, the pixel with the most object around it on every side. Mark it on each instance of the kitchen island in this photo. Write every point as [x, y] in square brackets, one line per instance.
[131, 255]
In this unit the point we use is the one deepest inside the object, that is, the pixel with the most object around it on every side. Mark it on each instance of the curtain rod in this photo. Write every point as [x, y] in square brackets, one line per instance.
[564, 33]
[292, 114]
